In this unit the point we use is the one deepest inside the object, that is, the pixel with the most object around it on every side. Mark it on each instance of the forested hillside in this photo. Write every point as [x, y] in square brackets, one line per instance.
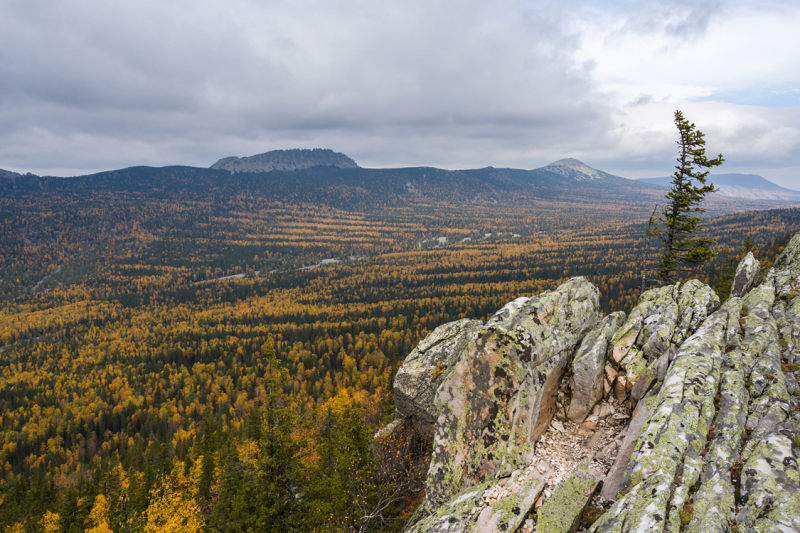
[174, 345]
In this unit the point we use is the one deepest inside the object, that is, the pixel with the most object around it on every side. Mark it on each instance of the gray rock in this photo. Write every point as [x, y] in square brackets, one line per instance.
[426, 367]
[501, 397]
[746, 274]
[714, 500]
[294, 159]
[474, 511]
[770, 493]
[613, 480]
[790, 257]
[664, 317]
[716, 412]
[561, 513]
[666, 461]
[588, 367]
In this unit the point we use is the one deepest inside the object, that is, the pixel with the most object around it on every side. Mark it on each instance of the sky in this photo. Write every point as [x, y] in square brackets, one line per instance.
[94, 85]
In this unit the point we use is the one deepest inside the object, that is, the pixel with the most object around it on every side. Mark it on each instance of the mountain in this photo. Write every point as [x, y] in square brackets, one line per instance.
[8, 174]
[573, 170]
[750, 186]
[294, 159]
[326, 178]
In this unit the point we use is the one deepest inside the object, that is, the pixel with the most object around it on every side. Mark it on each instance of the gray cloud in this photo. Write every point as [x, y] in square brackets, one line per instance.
[97, 84]
[187, 82]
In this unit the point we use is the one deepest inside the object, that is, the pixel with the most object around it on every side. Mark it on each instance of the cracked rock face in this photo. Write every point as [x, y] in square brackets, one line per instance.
[721, 442]
[588, 367]
[746, 274]
[426, 367]
[500, 397]
[664, 318]
[713, 444]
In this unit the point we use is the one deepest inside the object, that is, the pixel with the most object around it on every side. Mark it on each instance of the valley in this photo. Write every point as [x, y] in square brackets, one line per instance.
[141, 308]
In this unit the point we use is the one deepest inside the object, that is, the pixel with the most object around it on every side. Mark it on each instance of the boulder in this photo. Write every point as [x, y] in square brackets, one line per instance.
[562, 511]
[501, 396]
[426, 367]
[746, 274]
[663, 319]
[486, 507]
[588, 367]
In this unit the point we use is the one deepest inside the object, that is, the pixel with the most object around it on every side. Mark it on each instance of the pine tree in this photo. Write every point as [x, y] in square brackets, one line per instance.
[278, 465]
[682, 247]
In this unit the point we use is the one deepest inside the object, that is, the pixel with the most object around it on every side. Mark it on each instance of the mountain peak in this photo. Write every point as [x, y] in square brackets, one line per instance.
[576, 170]
[294, 159]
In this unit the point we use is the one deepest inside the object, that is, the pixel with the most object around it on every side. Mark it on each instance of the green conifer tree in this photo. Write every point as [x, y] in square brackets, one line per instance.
[682, 248]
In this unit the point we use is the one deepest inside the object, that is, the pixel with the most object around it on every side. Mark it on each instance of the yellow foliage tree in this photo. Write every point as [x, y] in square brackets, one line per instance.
[98, 516]
[172, 510]
[50, 522]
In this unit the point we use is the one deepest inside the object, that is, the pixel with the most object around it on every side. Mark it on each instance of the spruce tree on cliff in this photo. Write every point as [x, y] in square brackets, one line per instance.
[683, 249]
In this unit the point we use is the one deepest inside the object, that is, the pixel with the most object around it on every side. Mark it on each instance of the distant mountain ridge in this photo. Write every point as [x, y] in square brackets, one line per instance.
[750, 186]
[329, 178]
[295, 159]
[8, 174]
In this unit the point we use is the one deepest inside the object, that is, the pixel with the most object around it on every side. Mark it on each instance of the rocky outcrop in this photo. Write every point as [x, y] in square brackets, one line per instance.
[294, 159]
[589, 367]
[666, 461]
[486, 507]
[501, 396]
[746, 274]
[712, 444]
[426, 367]
[649, 339]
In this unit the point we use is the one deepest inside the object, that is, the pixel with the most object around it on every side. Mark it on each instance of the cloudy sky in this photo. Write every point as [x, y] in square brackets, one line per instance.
[100, 84]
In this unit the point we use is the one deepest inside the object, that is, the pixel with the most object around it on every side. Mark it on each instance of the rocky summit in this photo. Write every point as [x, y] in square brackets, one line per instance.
[295, 159]
[682, 416]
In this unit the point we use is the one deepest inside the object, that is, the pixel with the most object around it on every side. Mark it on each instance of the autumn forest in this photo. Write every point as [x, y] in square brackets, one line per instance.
[185, 350]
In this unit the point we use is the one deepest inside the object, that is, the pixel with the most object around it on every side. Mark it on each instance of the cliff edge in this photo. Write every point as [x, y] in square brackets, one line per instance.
[682, 416]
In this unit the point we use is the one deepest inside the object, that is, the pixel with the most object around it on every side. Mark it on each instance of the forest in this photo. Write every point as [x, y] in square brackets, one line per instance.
[177, 356]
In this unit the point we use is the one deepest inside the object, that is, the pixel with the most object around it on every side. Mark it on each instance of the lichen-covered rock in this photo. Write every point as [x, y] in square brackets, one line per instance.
[451, 516]
[713, 444]
[770, 492]
[746, 274]
[426, 367]
[507, 513]
[501, 396]
[561, 513]
[714, 500]
[667, 456]
[769, 403]
[588, 367]
[664, 317]
[613, 480]
[789, 260]
[390, 430]
[477, 510]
